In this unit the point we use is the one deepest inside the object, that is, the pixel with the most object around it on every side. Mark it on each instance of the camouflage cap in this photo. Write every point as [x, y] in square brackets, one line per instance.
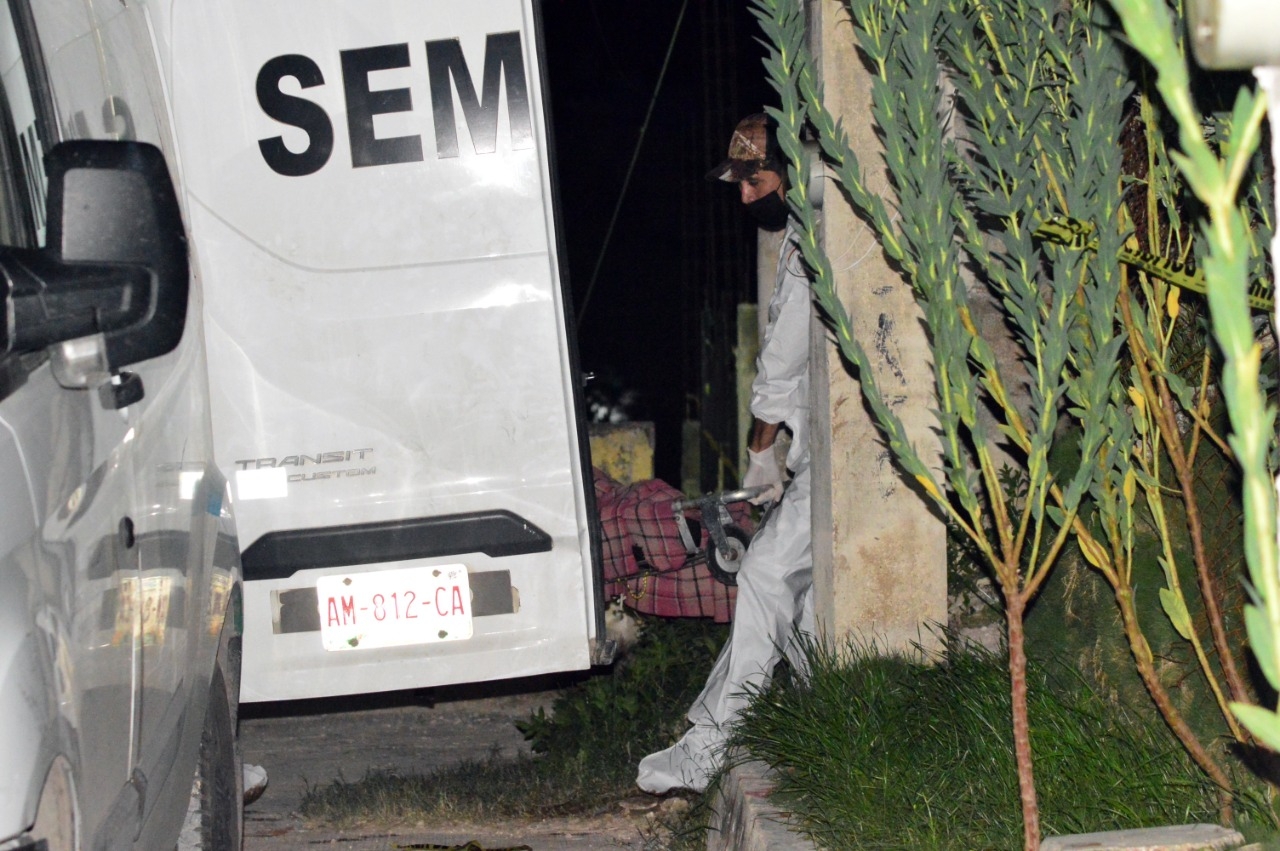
[749, 151]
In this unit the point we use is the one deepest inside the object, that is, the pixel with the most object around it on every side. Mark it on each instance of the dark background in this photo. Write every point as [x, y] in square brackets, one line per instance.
[659, 317]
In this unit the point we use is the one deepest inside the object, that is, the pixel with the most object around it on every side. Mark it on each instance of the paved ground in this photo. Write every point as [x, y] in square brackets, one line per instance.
[316, 742]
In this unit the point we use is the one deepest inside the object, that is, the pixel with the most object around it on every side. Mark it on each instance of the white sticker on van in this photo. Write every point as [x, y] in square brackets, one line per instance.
[267, 483]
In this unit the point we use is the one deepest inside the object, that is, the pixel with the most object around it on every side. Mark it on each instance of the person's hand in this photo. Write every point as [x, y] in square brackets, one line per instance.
[763, 469]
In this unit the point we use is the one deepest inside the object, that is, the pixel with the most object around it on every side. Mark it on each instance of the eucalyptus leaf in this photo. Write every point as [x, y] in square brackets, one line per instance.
[1264, 724]
[1176, 609]
[1262, 643]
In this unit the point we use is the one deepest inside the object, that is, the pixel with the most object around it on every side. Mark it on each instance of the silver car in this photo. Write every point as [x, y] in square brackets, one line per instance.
[120, 596]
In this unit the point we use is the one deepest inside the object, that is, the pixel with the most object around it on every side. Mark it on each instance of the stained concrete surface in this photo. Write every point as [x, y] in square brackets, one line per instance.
[313, 743]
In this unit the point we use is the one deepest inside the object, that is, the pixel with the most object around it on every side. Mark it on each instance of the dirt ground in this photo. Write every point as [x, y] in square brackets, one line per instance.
[312, 743]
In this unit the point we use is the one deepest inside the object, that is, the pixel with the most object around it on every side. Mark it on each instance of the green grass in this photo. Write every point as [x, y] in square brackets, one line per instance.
[879, 752]
[585, 751]
[607, 724]
[873, 753]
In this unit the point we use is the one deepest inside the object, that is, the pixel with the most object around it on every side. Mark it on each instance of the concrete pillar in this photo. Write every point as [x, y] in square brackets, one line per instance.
[879, 546]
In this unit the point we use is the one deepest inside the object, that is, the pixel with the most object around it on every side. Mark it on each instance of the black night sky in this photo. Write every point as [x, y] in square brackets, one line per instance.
[679, 243]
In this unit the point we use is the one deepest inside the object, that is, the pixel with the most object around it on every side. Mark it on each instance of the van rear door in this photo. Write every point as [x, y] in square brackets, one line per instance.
[396, 395]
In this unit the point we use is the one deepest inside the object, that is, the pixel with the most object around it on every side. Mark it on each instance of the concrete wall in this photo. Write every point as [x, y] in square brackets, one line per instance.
[879, 548]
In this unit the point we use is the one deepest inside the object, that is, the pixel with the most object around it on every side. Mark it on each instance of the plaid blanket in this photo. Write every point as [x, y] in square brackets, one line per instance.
[644, 558]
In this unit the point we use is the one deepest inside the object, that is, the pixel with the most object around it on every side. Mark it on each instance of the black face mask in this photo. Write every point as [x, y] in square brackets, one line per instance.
[770, 212]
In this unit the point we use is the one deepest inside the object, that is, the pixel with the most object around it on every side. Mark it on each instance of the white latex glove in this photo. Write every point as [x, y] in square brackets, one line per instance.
[763, 469]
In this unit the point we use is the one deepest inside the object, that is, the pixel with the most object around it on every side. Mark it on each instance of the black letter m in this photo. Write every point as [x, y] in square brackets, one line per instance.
[502, 56]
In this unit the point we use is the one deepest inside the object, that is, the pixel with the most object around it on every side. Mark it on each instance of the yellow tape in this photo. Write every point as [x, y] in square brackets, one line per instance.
[1076, 234]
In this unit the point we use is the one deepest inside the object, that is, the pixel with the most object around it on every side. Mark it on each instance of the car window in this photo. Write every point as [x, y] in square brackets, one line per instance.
[23, 127]
[16, 225]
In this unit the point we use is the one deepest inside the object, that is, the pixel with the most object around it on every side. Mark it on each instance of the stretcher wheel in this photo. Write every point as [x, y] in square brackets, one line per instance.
[724, 569]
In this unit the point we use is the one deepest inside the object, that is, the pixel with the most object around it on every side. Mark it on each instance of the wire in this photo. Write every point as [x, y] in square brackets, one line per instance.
[635, 155]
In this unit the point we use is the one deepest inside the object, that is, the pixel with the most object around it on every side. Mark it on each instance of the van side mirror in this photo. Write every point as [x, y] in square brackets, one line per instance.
[113, 276]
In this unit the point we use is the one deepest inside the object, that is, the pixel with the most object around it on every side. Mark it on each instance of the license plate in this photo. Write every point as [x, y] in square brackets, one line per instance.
[390, 608]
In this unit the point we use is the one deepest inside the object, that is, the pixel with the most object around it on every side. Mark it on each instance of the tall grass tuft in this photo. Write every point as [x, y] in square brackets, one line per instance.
[604, 726]
[886, 752]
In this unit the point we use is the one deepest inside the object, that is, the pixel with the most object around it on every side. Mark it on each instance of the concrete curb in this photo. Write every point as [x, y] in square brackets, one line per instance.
[743, 819]
[1181, 837]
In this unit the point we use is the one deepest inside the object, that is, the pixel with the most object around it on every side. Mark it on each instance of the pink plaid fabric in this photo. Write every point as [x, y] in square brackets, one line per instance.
[644, 558]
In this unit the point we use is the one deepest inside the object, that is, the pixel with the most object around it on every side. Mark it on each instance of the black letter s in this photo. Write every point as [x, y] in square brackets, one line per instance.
[296, 112]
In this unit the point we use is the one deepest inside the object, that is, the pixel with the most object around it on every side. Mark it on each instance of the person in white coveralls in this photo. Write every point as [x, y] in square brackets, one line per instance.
[775, 581]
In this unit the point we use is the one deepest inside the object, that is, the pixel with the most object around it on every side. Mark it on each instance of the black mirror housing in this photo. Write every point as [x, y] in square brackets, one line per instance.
[116, 257]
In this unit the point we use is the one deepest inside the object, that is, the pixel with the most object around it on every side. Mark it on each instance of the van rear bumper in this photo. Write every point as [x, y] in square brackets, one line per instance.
[279, 555]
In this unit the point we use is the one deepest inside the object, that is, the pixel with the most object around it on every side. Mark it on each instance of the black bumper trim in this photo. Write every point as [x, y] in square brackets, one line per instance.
[279, 555]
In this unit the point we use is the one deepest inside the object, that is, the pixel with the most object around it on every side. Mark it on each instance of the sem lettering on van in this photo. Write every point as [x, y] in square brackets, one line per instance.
[447, 71]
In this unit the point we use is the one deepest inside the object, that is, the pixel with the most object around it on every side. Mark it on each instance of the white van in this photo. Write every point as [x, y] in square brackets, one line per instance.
[396, 395]
[119, 567]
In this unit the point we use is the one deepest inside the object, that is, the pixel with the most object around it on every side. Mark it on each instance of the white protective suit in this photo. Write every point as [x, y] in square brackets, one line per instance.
[775, 581]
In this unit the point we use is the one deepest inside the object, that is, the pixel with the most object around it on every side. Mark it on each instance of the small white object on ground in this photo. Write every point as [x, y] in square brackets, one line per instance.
[255, 782]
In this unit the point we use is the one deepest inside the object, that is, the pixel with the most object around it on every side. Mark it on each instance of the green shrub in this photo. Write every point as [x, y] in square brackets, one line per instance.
[886, 752]
[608, 724]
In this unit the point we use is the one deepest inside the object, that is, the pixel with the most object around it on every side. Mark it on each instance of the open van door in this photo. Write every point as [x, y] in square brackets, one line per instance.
[396, 397]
